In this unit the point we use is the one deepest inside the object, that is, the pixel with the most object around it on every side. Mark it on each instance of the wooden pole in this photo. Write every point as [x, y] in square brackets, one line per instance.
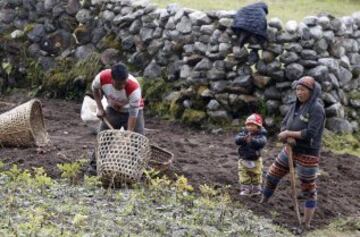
[292, 179]
[104, 119]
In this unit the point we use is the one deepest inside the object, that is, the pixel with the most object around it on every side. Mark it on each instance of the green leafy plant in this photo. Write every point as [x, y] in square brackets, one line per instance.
[7, 67]
[92, 181]
[207, 191]
[182, 184]
[17, 175]
[71, 170]
[42, 181]
[35, 220]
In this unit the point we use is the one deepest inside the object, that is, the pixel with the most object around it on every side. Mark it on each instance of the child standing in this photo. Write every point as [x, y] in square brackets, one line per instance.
[251, 140]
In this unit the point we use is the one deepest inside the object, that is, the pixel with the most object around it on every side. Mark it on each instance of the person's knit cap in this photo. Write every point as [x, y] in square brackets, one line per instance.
[307, 81]
[254, 119]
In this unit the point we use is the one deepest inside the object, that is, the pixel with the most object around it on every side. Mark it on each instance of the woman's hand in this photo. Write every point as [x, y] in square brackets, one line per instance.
[283, 135]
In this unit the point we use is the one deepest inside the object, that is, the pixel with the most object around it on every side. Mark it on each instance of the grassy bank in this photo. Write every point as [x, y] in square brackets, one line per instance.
[35, 205]
[32, 204]
[284, 9]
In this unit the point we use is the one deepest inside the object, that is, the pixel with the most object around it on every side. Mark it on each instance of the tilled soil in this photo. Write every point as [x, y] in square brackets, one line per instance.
[203, 157]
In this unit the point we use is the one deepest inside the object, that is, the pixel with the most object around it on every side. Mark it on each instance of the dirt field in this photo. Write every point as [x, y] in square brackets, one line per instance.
[202, 157]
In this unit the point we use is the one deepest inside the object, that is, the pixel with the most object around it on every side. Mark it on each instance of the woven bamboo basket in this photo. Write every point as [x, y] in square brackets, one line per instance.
[23, 126]
[161, 159]
[121, 156]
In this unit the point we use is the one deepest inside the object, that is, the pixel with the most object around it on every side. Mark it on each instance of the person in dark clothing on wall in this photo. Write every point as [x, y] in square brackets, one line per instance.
[250, 22]
[304, 122]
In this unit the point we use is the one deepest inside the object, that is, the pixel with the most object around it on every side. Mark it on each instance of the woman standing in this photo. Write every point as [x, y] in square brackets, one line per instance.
[304, 122]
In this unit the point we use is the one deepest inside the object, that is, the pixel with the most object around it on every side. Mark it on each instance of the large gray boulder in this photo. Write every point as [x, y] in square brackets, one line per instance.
[311, 20]
[339, 125]
[72, 7]
[146, 34]
[37, 33]
[185, 25]
[289, 57]
[152, 71]
[272, 93]
[204, 64]
[291, 26]
[294, 71]
[108, 15]
[7, 16]
[335, 110]
[110, 56]
[329, 98]
[83, 16]
[272, 106]
[331, 63]
[220, 116]
[199, 18]
[343, 75]
[319, 73]
[83, 51]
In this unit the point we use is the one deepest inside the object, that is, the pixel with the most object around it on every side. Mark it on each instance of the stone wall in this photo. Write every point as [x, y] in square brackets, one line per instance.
[198, 54]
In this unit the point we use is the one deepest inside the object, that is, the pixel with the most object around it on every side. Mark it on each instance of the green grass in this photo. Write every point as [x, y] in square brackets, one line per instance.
[36, 205]
[284, 9]
[33, 204]
[342, 143]
[348, 227]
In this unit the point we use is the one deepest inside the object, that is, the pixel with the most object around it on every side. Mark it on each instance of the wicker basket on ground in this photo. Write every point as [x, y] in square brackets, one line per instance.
[121, 156]
[23, 126]
[161, 159]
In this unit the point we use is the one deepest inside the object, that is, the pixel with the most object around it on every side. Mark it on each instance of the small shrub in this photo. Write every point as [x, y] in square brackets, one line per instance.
[42, 181]
[70, 171]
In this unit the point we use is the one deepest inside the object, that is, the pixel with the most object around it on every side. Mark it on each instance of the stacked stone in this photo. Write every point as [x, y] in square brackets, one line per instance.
[324, 47]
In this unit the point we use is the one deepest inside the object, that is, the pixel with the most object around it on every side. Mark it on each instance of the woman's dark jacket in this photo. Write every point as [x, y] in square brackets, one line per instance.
[310, 120]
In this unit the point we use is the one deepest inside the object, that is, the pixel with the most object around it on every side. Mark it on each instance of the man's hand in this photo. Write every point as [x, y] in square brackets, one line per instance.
[283, 135]
[117, 105]
[100, 113]
[131, 123]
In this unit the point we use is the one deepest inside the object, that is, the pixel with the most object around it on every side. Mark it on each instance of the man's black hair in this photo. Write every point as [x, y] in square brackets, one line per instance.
[119, 72]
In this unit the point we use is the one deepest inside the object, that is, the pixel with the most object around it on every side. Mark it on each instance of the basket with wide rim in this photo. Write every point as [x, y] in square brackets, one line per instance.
[23, 126]
[161, 159]
[121, 156]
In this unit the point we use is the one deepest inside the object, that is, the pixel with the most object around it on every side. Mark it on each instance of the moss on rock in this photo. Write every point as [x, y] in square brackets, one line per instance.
[159, 109]
[155, 89]
[176, 110]
[154, 92]
[29, 27]
[355, 95]
[110, 41]
[60, 80]
[342, 143]
[192, 116]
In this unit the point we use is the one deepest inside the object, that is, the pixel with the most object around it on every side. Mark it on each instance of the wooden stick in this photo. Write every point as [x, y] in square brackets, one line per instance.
[104, 119]
[292, 179]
